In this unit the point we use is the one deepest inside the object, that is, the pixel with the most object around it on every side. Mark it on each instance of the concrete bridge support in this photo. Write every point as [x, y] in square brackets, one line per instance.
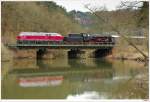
[44, 53]
[75, 53]
[51, 53]
[28, 53]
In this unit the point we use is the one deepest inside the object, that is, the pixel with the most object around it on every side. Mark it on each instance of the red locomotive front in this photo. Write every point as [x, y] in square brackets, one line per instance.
[39, 36]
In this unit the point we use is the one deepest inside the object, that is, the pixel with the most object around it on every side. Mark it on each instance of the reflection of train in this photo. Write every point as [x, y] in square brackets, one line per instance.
[51, 38]
[40, 81]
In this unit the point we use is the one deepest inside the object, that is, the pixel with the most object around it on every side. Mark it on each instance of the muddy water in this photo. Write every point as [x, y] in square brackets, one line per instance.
[74, 79]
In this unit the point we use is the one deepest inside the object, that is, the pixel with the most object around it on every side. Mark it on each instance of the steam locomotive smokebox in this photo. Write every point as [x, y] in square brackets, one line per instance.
[75, 53]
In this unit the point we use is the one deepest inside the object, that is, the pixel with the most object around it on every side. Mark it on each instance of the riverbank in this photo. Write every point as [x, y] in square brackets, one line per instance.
[128, 53]
[6, 54]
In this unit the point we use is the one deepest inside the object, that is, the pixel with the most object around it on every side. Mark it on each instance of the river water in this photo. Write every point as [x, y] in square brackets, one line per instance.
[74, 79]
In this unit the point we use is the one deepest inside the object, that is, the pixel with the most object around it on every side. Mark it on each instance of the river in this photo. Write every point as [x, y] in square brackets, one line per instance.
[74, 79]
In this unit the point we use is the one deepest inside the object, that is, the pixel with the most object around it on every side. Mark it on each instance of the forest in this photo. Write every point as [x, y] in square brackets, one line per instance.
[129, 19]
[50, 17]
[35, 17]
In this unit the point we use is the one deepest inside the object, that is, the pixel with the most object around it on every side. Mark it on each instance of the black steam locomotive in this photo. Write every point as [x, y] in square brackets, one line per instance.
[89, 38]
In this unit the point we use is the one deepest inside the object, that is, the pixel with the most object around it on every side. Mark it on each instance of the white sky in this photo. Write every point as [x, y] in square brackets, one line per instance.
[79, 4]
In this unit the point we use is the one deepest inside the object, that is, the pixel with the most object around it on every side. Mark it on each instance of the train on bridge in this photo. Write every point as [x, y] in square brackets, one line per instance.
[56, 38]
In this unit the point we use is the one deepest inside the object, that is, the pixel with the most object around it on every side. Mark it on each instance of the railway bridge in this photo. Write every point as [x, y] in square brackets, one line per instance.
[74, 50]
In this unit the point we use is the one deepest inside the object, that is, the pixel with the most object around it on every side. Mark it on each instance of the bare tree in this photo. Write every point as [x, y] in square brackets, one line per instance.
[118, 32]
[130, 5]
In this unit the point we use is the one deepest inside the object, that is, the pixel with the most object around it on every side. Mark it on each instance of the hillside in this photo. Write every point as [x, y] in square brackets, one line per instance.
[36, 17]
[129, 21]
[83, 18]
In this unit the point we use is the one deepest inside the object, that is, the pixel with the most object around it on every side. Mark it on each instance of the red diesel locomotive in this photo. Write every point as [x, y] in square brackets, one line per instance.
[39, 38]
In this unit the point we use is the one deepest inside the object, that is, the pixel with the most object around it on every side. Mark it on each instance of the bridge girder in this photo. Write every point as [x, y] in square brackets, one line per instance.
[90, 46]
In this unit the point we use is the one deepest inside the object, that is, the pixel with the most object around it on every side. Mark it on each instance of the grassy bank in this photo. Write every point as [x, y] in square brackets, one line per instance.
[128, 53]
[6, 54]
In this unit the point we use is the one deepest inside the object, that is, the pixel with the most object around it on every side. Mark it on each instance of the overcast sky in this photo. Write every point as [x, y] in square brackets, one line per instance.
[79, 4]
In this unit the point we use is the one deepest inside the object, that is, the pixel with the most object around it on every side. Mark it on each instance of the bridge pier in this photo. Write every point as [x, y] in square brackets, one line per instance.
[28, 53]
[75, 53]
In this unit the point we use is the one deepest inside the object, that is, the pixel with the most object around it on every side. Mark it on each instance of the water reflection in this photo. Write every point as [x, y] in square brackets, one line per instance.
[80, 66]
[87, 95]
[77, 63]
[72, 79]
[41, 64]
[40, 81]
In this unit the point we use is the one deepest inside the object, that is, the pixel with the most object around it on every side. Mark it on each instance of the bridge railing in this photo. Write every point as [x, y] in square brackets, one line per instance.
[63, 45]
[87, 43]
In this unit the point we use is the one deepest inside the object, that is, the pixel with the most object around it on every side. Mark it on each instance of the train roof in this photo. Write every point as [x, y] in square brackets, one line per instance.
[103, 35]
[39, 34]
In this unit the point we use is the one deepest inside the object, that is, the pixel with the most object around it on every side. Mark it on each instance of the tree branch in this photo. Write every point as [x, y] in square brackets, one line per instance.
[118, 32]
